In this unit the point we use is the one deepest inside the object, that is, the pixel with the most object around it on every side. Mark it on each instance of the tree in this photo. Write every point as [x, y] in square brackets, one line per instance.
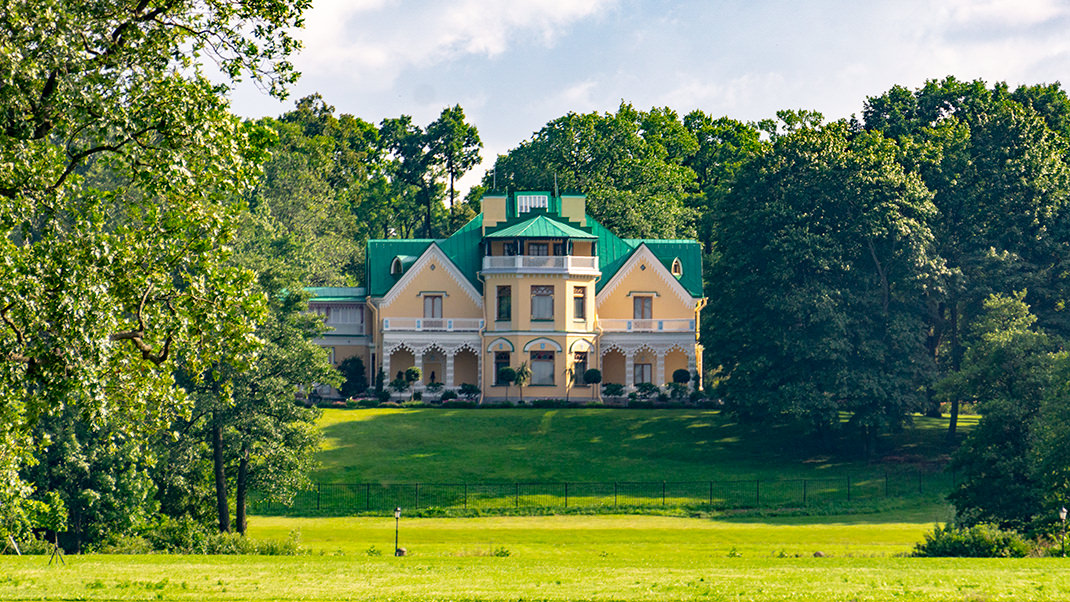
[456, 144]
[506, 376]
[521, 378]
[628, 163]
[1000, 183]
[1007, 369]
[107, 281]
[355, 380]
[824, 258]
[592, 376]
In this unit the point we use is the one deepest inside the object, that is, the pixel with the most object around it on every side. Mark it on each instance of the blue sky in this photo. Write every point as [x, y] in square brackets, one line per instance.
[514, 65]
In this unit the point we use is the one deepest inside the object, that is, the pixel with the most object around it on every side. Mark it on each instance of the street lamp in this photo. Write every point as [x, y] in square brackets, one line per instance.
[397, 520]
[1062, 539]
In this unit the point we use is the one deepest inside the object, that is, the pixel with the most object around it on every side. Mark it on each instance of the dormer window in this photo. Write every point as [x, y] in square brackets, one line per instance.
[527, 202]
[395, 267]
[677, 268]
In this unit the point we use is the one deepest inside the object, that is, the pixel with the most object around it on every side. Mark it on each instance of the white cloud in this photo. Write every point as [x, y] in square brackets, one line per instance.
[374, 41]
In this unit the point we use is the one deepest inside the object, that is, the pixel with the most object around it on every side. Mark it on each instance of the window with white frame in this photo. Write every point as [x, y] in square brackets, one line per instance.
[579, 302]
[527, 202]
[644, 373]
[542, 303]
[542, 367]
[642, 307]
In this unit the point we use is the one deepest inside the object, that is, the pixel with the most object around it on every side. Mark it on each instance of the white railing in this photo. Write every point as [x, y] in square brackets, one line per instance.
[673, 325]
[348, 329]
[540, 263]
[433, 324]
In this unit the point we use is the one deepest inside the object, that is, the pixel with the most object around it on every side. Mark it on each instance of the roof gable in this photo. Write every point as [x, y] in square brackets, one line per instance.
[433, 253]
[643, 252]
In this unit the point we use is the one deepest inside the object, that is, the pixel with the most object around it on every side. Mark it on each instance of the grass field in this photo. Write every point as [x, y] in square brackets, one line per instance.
[559, 558]
[409, 445]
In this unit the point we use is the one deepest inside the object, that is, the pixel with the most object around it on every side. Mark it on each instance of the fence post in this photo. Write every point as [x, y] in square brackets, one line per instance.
[518, 495]
[368, 496]
[805, 481]
[663, 493]
[466, 496]
[566, 494]
[757, 493]
[317, 497]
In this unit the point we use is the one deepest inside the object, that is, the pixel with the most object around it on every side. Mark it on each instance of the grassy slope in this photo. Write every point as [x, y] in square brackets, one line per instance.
[390, 445]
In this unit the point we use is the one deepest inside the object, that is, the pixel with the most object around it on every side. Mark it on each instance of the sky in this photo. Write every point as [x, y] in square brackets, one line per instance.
[515, 65]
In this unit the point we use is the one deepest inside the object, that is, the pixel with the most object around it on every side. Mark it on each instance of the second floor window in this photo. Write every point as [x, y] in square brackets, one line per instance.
[542, 303]
[505, 303]
[433, 306]
[538, 248]
[642, 308]
[579, 301]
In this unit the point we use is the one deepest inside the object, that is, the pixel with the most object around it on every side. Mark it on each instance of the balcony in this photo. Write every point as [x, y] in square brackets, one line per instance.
[432, 324]
[674, 325]
[345, 328]
[541, 264]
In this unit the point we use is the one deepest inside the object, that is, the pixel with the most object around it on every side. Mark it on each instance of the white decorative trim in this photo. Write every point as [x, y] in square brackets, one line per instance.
[432, 253]
[543, 341]
[500, 340]
[573, 348]
[643, 252]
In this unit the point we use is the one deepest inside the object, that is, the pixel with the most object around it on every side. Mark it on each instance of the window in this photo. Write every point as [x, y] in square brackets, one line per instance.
[542, 303]
[542, 367]
[395, 267]
[505, 303]
[643, 373]
[509, 249]
[433, 306]
[501, 360]
[579, 302]
[642, 308]
[559, 248]
[540, 249]
[677, 268]
[579, 366]
[527, 202]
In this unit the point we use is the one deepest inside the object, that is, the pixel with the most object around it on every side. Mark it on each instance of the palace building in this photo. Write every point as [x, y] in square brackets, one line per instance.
[534, 280]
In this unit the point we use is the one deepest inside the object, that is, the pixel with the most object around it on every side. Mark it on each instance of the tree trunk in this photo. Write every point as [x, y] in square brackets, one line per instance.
[240, 489]
[220, 479]
[956, 365]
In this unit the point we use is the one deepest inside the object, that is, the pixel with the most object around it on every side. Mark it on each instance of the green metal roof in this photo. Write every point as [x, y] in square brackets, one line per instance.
[380, 254]
[689, 253]
[337, 293]
[463, 249]
[540, 226]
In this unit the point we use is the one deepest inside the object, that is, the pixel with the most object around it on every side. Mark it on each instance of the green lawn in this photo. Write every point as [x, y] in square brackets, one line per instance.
[559, 558]
[588, 445]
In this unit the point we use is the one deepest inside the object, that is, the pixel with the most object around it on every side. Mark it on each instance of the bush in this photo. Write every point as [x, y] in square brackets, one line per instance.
[355, 381]
[469, 391]
[978, 541]
[459, 403]
[549, 403]
[681, 376]
[647, 390]
[369, 402]
[613, 389]
[447, 395]
[592, 376]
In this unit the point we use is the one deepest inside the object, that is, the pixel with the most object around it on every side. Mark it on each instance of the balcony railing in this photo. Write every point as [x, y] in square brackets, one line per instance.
[572, 264]
[345, 329]
[672, 325]
[433, 324]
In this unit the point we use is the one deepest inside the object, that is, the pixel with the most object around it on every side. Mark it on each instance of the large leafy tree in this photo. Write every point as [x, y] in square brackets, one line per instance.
[105, 286]
[630, 164]
[456, 143]
[1000, 182]
[824, 255]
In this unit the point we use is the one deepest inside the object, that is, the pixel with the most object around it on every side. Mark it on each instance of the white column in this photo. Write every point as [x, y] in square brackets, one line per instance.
[418, 361]
[629, 370]
[448, 381]
[385, 361]
[691, 366]
[659, 369]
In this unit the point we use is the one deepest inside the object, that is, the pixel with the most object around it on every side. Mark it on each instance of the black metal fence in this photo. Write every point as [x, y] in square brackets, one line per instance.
[382, 498]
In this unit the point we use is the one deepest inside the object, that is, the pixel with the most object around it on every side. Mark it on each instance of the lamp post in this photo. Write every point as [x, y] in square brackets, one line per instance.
[397, 520]
[1062, 539]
